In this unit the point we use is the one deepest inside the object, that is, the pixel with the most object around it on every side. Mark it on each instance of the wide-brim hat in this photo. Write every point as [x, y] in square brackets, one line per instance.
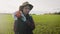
[26, 4]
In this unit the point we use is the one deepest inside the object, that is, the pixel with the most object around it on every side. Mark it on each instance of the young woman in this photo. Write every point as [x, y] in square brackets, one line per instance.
[24, 23]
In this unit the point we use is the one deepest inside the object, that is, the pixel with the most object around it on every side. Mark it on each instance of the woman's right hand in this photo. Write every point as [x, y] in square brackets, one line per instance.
[18, 14]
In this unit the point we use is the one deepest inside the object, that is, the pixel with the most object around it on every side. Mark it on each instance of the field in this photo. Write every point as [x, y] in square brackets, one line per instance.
[45, 24]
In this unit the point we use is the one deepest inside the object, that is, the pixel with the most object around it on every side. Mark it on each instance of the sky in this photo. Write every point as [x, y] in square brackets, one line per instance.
[40, 6]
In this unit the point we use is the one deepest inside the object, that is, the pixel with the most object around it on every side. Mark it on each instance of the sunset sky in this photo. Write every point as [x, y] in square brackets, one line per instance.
[40, 6]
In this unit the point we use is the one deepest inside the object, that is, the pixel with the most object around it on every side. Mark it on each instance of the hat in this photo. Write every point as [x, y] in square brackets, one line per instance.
[26, 4]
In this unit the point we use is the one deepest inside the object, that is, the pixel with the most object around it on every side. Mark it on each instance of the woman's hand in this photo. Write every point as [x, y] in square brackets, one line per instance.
[18, 14]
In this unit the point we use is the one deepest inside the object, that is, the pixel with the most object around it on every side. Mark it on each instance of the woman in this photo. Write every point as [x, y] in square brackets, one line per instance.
[24, 23]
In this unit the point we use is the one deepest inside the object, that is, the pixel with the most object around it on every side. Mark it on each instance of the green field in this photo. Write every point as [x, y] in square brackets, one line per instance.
[45, 24]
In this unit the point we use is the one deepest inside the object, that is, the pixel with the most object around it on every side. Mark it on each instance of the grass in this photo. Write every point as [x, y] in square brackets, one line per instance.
[45, 24]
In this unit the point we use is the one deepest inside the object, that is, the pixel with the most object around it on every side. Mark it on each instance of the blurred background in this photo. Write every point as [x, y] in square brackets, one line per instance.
[46, 15]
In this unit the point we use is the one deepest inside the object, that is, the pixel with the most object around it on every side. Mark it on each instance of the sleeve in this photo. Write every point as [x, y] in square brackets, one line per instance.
[13, 15]
[15, 26]
[32, 23]
[15, 22]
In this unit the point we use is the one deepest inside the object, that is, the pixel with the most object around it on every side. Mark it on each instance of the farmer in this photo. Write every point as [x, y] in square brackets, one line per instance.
[24, 23]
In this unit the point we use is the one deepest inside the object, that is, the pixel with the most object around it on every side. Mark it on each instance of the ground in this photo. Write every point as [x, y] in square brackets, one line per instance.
[45, 24]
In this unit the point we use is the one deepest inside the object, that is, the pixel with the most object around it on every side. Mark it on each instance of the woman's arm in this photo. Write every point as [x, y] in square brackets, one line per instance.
[30, 23]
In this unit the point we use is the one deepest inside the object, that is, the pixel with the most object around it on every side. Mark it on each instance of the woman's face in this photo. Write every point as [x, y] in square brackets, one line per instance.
[26, 10]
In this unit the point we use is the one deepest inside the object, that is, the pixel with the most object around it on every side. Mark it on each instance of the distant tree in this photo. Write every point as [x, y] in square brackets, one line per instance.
[33, 14]
[58, 12]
